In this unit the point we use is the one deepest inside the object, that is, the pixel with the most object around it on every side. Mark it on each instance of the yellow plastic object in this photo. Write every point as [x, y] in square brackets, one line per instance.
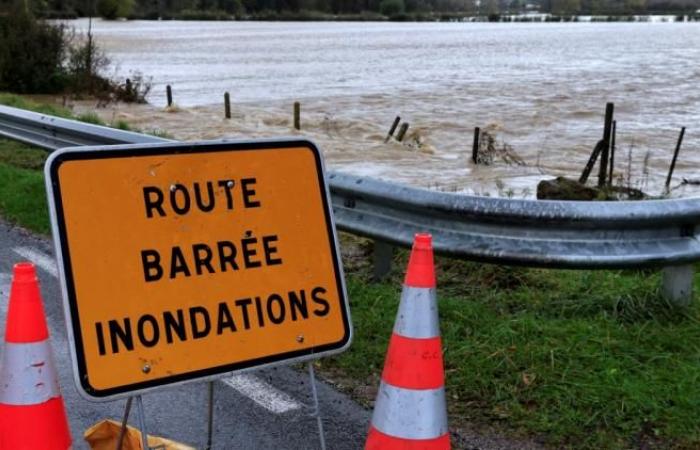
[105, 433]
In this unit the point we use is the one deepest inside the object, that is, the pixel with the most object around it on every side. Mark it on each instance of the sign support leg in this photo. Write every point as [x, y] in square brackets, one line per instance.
[316, 412]
[122, 430]
[210, 419]
[142, 422]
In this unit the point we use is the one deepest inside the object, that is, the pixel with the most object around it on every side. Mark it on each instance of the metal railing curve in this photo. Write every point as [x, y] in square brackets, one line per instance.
[553, 234]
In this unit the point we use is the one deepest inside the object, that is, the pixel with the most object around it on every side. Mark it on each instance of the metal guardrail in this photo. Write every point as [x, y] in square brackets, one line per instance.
[554, 234]
[52, 133]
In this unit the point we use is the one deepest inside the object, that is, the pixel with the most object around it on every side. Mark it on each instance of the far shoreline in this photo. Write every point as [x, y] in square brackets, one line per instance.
[314, 16]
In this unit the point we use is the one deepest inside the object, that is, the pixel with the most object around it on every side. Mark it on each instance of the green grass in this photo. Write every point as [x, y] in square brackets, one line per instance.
[90, 117]
[21, 102]
[20, 155]
[18, 101]
[580, 359]
[23, 197]
[22, 191]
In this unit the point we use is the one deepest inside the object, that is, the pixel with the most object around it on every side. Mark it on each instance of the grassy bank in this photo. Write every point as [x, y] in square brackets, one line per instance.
[578, 359]
[581, 359]
[22, 195]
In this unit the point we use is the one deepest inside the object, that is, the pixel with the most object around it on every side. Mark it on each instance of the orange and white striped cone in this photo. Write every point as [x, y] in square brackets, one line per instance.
[410, 412]
[32, 415]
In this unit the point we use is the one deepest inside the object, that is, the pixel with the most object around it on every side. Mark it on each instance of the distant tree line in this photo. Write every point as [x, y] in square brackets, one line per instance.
[247, 9]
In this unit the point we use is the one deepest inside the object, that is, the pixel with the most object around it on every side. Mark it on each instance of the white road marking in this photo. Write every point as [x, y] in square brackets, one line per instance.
[44, 261]
[262, 393]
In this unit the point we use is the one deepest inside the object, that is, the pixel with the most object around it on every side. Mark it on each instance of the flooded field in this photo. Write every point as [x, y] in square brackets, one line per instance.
[540, 88]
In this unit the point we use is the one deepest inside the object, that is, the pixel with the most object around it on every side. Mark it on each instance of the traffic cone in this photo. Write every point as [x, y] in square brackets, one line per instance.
[32, 415]
[410, 412]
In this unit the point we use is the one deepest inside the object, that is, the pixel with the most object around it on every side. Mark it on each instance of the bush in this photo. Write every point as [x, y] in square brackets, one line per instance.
[133, 90]
[83, 65]
[391, 7]
[37, 57]
[32, 54]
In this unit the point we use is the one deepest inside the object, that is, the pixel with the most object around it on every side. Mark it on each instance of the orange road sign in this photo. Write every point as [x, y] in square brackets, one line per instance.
[186, 261]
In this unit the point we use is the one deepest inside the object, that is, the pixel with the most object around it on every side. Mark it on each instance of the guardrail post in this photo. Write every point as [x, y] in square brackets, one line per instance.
[382, 256]
[678, 284]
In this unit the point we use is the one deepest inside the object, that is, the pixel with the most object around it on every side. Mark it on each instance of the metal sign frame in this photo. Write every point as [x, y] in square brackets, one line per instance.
[71, 313]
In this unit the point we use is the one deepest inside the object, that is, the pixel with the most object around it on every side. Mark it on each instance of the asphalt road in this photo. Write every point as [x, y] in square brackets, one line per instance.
[256, 410]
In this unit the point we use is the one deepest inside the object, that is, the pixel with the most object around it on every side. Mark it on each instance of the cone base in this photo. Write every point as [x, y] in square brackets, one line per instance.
[34, 427]
[376, 440]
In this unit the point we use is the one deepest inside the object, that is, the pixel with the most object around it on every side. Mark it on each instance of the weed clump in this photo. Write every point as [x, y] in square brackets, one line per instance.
[490, 150]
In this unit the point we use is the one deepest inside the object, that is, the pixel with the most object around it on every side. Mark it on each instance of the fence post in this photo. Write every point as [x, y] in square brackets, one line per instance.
[382, 256]
[402, 132]
[678, 284]
[227, 105]
[392, 129]
[612, 153]
[297, 116]
[675, 156]
[605, 154]
[475, 145]
[169, 94]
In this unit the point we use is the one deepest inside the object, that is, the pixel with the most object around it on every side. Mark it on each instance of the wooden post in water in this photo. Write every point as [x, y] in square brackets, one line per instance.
[169, 94]
[605, 153]
[227, 105]
[475, 145]
[392, 129]
[402, 132]
[675, 156]
[612, 153]
[591, 162]
[297, 116]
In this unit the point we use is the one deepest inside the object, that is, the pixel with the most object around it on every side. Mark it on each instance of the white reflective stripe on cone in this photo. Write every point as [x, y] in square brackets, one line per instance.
[409, 413]
[27, 374]
[418, 316]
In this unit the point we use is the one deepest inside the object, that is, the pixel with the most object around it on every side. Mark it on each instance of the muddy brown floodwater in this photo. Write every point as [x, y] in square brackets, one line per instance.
[541, 88]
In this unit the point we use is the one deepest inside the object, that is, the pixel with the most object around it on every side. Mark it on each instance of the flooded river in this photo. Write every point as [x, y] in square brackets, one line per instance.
[540, 88]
